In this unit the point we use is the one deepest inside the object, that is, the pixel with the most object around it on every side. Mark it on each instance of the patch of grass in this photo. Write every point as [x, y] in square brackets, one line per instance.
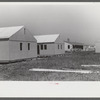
[19, 71]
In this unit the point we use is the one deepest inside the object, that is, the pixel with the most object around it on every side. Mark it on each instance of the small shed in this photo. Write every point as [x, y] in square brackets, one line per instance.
[49, 44]
[16, 43]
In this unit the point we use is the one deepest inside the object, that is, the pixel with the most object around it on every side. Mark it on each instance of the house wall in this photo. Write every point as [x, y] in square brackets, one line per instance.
[23, 35]
[59, 41]
[15, 53]
[66, 46]
[59, 50]
[50, 49]
[4, 50]
[97, 47]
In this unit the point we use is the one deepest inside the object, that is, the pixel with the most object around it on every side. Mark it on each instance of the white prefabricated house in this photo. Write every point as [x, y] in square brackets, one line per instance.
[16, 43]
[75, 46]
[49, 44]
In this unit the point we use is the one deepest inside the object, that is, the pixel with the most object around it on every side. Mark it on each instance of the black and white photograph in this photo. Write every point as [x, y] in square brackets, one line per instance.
[49, 41]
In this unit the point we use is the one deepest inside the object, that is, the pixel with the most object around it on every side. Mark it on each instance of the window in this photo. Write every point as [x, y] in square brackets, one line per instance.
[61, 46]
[41, 46]
[58, 46]
[28, 46]
[68, 46]
[21, 46]
[45, 47]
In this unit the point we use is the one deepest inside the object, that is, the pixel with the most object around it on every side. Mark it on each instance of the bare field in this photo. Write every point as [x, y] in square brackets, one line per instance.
[19, 71]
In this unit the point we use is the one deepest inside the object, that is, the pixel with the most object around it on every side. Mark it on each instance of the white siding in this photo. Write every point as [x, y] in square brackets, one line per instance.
[4, 50]
[66, 46]
[60, 50]
[33, 50]
[23, 35]
[15, 52]
[52, 44]
[50, 49]
[59, 41]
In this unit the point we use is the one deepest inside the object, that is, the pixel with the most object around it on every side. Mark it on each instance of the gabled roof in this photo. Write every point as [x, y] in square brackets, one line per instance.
[7, 32]
[46, 38]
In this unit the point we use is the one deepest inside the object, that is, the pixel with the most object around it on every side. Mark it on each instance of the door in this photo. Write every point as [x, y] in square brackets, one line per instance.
[38, 50]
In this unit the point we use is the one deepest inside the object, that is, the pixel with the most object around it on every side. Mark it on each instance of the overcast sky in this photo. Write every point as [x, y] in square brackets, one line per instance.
[79, 22]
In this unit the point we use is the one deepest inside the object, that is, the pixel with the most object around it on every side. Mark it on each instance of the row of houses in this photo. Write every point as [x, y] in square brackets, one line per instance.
[18, 43]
